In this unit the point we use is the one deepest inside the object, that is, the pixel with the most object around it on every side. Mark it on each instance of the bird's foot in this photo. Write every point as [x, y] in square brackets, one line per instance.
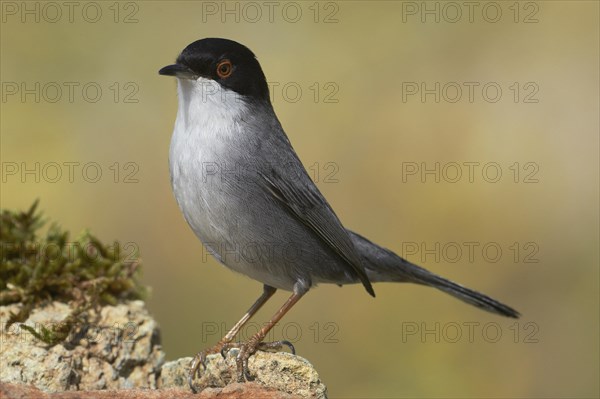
[199, 361]
[247, 349]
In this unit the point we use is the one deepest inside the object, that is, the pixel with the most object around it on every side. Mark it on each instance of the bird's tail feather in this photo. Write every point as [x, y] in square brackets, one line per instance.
[384, 265]
[463, 293]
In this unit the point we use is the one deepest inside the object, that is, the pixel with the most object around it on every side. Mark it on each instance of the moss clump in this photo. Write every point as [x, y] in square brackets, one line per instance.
[84, 273]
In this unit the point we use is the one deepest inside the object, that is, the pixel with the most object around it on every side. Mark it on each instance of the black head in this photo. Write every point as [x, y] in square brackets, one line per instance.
[229, 63]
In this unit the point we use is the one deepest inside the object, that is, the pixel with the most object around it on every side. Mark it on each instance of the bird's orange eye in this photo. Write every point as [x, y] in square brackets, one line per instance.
[224, 69]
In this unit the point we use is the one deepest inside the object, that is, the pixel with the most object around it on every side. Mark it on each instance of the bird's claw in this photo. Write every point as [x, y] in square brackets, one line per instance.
[247, 349]
[276, 345]
[226, 347]
[199, 361]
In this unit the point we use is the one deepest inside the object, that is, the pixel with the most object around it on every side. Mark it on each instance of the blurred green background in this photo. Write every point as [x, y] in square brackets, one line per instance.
[410, 341]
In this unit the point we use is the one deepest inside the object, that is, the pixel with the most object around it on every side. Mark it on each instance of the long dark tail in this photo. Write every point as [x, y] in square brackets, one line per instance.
[384, 265]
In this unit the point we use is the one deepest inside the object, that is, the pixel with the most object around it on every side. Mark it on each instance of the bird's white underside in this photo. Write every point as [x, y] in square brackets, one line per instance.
[207, 124]
[206, 121]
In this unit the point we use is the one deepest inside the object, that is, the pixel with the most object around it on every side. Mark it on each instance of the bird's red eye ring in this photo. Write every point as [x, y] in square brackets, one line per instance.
[224, 69]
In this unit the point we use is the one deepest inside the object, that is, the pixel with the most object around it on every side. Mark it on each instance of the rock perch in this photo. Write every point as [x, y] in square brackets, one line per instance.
[116, 352]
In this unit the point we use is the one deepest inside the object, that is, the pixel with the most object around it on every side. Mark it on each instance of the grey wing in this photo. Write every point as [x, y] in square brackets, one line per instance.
[306, 204]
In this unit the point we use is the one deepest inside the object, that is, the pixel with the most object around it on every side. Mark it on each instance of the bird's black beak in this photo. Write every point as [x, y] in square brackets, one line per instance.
[179, 71]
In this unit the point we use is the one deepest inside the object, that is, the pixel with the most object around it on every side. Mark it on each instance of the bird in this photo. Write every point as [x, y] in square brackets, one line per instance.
[246, 195]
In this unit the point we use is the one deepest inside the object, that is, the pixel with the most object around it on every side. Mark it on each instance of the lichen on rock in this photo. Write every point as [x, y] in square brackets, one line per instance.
[118, 347]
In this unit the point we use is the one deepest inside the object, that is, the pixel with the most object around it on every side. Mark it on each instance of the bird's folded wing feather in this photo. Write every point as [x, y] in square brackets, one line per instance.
[308, 206]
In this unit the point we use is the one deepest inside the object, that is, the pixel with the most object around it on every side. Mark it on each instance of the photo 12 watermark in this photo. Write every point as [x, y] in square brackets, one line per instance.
[116, 334]
[471, 252]
[279, 92]
[71, 251]
[452, 12]
[253, 12]
[285, 252]
[69, 172]
[219, 171]
[70, 92]
[489, 92]
[470, 172]
[327, 332]
[54, 12]
[469, 332]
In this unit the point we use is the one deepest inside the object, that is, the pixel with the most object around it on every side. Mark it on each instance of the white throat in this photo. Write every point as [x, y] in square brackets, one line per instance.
[208, 124]
[203, 103]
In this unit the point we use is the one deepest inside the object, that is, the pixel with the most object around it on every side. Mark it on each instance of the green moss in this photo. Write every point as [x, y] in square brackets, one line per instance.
[84, 272]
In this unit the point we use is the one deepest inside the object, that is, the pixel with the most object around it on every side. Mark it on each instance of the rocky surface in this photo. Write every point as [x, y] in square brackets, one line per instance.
[118, 347]
[116, 351]
[281, 371]
[233, 391]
